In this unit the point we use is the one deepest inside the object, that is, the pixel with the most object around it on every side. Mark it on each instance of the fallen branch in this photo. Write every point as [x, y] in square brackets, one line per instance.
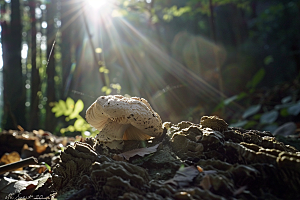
[19, 164]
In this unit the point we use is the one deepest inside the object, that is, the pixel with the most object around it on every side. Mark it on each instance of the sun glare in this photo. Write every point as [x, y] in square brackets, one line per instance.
[97, 4]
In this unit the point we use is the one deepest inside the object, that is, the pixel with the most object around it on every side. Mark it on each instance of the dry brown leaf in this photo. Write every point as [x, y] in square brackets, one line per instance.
[141, 152]
[118, 157]
[39, 148]
[11, 158]
[25, 147]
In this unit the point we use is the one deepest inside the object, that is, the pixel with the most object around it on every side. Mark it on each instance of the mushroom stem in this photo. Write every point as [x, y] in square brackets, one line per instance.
[112, 131]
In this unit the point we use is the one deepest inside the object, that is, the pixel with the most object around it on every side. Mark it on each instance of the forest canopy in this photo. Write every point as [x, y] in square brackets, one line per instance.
[187, 58]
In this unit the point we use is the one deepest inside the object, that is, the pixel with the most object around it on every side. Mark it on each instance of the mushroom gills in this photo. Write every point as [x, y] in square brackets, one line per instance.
[133, 133]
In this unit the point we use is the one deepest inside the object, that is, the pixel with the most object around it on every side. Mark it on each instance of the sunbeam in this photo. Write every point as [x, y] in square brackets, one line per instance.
[147, 69]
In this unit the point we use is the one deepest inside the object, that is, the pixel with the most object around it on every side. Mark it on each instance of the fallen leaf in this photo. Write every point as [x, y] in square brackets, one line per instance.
[39, 147]
[184, 176]
[10, 187]
[141, 152]
[11, 158]
[118, 157]
[205, 183]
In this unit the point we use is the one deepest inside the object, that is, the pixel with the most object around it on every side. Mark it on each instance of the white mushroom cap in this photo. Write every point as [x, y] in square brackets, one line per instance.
[121, 118]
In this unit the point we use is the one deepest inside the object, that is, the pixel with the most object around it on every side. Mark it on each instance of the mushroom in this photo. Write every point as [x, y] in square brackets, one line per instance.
[122, 118]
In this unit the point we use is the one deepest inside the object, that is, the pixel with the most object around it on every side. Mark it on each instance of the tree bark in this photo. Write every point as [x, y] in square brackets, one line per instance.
[218, 65]
[35, 76]
[67, 18]
[51, 97]
[13, 82]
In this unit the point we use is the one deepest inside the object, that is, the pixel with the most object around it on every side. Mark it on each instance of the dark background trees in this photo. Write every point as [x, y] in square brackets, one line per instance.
[185, 57]
[13, 81]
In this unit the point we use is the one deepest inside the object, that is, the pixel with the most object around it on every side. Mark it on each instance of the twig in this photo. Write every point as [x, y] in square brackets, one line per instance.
[19, 164]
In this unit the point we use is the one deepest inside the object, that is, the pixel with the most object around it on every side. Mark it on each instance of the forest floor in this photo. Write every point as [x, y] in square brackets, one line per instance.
[189, 161]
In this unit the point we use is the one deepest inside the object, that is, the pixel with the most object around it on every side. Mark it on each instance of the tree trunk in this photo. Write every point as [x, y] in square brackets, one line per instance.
[14, 90]
[218, 65]
[51, 32]
[67, 18]
[35, 76]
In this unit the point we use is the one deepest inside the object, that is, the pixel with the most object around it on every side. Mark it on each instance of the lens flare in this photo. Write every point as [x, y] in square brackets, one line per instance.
[97, 4]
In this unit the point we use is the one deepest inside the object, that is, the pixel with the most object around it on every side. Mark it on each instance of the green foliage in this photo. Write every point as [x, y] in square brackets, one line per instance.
[71, 111]
[47, 166]
[269, 59]
[169, 13]
[294, 109]
[257, 78]
[106, 90]
[259, 114]
[104, 70]
[251, 111]
[251, 85]
[203, 7]
[267, 119]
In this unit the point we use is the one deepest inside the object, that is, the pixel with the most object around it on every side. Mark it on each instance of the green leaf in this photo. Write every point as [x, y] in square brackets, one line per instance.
[70, 106]
[79, 106]
[242, 95]
[47, 166]
[269, 117]
[79, 123]
[284, 112]
[295, 109]
[103, 69]
[116, 86]
[59, 108]
[108, 91]
[286, 99]
[251, 111]
[257, 78]
[269, 59]
[71, 128]
[230, 99]
[104, 88]
[256, 116]
[219, 106]
[77, 109]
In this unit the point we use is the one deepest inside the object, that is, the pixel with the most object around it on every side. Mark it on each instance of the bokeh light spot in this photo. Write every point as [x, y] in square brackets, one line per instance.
[98, 50]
